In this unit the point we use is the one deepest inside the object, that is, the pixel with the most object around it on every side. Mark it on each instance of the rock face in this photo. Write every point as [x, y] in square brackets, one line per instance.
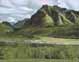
[54, 15]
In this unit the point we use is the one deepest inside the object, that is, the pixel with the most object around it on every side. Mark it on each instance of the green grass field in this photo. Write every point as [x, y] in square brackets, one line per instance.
[37, 51]
[41, 39]
[39, 60]
[52, 50]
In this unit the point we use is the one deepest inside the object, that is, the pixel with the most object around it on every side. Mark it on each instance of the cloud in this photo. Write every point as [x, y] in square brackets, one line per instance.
[70, 4]
[19, 9]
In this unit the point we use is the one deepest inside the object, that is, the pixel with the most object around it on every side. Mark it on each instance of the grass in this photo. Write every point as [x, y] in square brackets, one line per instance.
[70, 31]
[60, 40]
[36, 51]
[44, 39]
[39, 60]
[50, 32]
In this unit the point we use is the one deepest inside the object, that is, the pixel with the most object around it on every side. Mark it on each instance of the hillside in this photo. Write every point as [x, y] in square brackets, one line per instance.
[54, 15]
[5, 27]
[50, 21]
[51, 16]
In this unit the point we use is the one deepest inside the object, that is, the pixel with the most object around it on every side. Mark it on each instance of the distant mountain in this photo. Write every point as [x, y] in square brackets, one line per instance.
[54, 15]
[22, 23]
[49, 21]
[6, 27]
[50, 16]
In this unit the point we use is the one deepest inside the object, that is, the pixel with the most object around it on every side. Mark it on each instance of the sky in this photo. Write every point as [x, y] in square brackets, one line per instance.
[14, 10]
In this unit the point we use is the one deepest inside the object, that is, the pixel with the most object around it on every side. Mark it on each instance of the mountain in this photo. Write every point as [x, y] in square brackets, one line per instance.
[47, 21]
[51, 16]
[6, 27]
[22, 23]
[51, 21]
[54, 16]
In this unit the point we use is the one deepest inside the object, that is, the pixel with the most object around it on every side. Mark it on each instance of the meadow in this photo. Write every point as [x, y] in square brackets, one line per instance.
[38, 51]
[57, 44]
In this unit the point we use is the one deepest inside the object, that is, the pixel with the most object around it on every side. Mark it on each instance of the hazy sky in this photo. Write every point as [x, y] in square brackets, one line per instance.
[12, 10]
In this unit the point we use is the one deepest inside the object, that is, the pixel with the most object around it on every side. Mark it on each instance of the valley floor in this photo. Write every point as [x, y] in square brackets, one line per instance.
[42, 40]
[60, 41]
[43, 49]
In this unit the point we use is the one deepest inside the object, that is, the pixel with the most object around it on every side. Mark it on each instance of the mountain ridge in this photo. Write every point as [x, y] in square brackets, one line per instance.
[50, 16]
[59, 16]
[50, 21]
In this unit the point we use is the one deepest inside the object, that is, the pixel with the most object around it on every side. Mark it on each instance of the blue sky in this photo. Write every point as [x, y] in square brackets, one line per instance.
[13, 10]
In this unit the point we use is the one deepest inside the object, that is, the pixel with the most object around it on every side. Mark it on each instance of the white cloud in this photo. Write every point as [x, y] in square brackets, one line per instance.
[20, 9]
